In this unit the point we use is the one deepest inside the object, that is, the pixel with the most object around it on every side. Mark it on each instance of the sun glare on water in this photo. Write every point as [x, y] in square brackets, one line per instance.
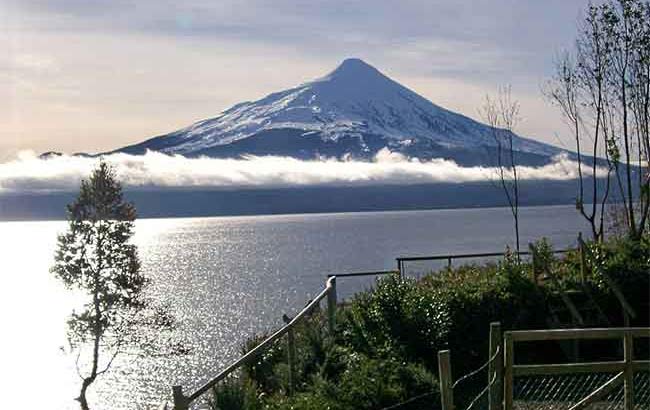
[33, 308]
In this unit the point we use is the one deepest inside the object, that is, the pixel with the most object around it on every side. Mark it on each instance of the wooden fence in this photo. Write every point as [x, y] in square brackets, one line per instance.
[503, 368]
[624, 369]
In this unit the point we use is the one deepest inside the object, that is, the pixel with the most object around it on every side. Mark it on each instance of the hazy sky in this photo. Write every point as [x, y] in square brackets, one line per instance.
[80, 75]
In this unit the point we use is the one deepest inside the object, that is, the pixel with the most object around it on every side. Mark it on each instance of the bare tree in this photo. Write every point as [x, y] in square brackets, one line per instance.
[502, 114]
[603, 90]
[565, 91]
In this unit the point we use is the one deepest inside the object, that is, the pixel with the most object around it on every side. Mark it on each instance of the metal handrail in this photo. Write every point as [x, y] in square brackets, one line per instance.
[468, 255]
[181, 402]
[449, 258]
[352, 274]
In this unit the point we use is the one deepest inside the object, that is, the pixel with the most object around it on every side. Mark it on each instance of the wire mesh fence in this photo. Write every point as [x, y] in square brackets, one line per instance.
[560, 392]
[600, 383]
[421, 401]
[555, 392]
[471, 390]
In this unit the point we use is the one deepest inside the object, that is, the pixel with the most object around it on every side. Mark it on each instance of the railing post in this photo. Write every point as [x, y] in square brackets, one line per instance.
[449, 263]
[509, 361]
[180, 401]
[533, 262]
[495, 372]
[331, 305]
[291, 358]
[446, 389]
[628, 353]
[399, 267]
[583, 257]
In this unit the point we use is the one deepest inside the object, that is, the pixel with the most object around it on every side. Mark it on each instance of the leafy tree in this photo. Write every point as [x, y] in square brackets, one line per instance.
[95, 257]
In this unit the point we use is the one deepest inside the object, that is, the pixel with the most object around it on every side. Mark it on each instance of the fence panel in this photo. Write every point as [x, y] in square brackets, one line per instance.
[622, 384]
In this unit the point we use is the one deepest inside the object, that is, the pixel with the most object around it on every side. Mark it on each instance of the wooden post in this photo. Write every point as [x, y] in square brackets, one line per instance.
[180, 401]
[444, 371]
[399, 267]
[449, 263]
[331, 305]
[291, 358]
[509, 361]
[583, 257]
[628, 353]
[533, 263]
[495, 371]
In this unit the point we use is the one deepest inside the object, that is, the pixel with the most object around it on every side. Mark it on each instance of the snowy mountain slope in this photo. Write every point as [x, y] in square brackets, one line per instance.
[355, 110]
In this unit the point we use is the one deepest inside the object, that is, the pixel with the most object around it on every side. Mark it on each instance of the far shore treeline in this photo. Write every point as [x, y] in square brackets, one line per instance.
[157, 203]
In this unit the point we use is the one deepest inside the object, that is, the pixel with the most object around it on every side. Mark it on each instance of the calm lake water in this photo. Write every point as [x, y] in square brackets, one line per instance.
[227, 278]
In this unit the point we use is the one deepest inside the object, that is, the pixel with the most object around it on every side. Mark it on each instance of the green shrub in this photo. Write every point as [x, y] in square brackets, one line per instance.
[543, 259]
[398, 318]
[316, 354]
[368, 383]
[263, 371]
[475, 296]
[235, 394]
[627, 262]
[412, 321]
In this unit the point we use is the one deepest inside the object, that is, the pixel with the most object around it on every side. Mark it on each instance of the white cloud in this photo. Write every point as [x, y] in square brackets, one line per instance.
[29, 173]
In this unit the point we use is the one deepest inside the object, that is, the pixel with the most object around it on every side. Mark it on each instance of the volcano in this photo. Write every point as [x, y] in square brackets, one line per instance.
[353, 112]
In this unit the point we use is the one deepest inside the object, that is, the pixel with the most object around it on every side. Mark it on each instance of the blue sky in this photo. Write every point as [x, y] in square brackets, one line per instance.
[79, 75]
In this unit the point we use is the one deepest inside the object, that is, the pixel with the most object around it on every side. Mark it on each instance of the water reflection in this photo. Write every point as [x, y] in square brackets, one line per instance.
[226, 279]
[33, 306]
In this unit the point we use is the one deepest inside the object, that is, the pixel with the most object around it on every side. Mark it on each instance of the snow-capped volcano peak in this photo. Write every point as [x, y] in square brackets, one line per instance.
[355, 103]
[352, 69]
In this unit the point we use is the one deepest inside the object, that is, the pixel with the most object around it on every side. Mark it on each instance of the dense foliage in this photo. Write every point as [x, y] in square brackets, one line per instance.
[385, 347]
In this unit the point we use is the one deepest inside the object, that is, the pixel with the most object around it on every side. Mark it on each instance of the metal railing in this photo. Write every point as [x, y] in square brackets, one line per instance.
[353, 274]
[448, 257]
[182, 401]
[451, 257]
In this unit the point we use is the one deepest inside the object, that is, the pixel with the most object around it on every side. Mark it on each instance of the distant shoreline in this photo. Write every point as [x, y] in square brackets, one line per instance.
[297, 214]
[298, 200]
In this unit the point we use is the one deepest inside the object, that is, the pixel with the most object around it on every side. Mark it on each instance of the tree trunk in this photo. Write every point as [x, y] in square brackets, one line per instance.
[87, 381]
[83, 402]
[517, 233]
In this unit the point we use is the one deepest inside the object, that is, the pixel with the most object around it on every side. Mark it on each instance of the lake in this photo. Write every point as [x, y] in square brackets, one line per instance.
[226, 279]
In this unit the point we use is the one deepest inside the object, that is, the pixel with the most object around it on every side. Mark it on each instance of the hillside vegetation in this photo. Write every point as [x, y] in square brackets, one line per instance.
[384, 349]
